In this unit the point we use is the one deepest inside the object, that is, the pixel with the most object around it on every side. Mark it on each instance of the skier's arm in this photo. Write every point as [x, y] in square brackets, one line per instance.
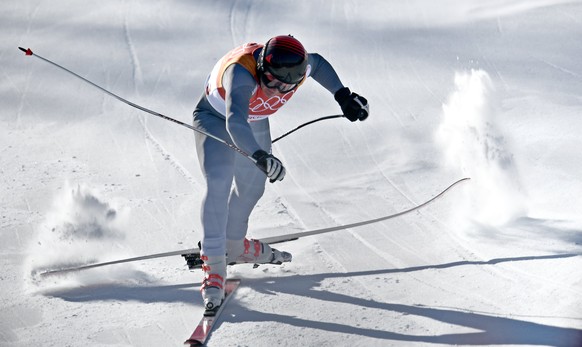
[239, 85]
[323, 73]
[353, 105]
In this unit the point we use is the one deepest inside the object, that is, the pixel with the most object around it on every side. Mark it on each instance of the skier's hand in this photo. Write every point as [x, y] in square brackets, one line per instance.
[269, 165]
[353, 106]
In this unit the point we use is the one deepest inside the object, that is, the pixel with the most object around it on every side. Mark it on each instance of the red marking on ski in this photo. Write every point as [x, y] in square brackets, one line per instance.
[204, 328]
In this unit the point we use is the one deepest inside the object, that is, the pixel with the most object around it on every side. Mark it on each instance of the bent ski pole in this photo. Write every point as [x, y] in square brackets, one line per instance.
[305, 124]
[157, 114]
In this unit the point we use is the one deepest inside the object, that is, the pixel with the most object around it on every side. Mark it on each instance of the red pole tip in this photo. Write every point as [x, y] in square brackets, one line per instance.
[27, 51]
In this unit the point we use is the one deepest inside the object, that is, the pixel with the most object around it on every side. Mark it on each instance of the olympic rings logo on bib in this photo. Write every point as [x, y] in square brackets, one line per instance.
[261, 106]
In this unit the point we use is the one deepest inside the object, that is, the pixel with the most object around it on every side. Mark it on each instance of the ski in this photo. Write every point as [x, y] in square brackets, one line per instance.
[119, 261]
[192, 255]
[295, 236]
[209, 318]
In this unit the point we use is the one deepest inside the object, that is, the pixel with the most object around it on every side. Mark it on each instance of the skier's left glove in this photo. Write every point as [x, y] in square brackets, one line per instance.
[353, 106]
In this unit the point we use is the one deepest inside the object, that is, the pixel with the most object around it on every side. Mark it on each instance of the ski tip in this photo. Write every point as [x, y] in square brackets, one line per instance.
[26, 51]
[49, 273]
[462, 180]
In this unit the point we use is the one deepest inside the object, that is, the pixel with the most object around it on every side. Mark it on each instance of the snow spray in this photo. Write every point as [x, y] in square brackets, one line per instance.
[81, 228]
[474, 144]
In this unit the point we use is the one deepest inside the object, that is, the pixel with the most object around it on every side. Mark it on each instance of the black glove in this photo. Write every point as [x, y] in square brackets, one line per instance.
[269, 165]
[353, 106]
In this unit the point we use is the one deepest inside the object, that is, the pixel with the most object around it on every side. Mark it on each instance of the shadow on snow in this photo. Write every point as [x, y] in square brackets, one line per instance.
[492, 329]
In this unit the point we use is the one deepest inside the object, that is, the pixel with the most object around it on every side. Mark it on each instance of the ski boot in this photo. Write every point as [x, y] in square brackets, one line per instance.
[254, 252]
[212, 288]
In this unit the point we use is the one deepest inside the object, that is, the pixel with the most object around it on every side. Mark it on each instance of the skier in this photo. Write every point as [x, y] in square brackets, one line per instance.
[248, 84]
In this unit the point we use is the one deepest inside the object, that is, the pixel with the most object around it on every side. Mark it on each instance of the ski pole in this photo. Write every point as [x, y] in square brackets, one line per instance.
[305, 124]
[157, 114]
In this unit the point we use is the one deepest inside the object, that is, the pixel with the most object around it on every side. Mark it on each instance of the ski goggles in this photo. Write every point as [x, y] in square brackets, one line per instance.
[272, 82]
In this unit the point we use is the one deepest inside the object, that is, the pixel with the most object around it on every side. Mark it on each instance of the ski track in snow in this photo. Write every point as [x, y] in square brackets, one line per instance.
[238, 31]
[134, 60]
[137, 80]
[562, 69]
[171, 159]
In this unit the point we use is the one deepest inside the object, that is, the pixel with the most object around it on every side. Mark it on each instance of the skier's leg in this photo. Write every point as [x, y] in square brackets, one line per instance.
[249, 186]
[217, 164]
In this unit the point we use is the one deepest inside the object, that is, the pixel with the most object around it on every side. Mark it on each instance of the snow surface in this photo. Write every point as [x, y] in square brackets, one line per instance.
[483, 89]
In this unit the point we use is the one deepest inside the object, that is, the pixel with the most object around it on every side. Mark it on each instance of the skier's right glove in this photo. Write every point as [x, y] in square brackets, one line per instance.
[353, 106]
[269, 165]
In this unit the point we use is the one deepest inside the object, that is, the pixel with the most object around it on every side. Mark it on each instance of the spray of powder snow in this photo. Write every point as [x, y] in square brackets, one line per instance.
[80, 229]
[474, 145]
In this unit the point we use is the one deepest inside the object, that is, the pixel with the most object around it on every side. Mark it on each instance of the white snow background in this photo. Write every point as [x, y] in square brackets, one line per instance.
[484, 89]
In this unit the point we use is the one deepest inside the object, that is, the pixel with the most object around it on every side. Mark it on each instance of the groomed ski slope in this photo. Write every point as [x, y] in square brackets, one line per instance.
[482, 89]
